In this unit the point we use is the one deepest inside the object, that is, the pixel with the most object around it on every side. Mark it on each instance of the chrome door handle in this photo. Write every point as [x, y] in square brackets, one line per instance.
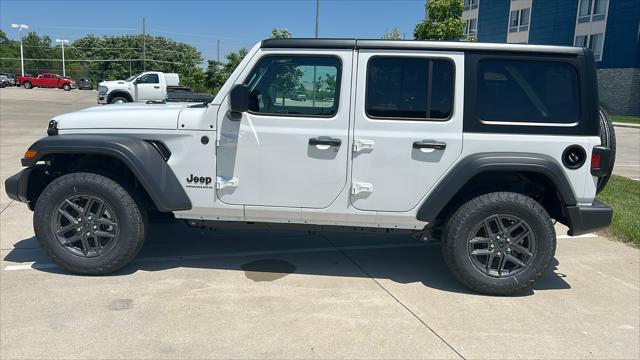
[156, 87]
[429, 144]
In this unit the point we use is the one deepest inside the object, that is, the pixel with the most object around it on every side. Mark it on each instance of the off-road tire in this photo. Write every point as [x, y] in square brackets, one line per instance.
[460, 225]
[131, 222]
[118, 98]
[66, 87]
[608, 139]
[27, 85]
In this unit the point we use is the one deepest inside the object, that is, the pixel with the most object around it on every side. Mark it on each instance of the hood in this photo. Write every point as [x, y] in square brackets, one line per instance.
[123, 116]
[116, 84]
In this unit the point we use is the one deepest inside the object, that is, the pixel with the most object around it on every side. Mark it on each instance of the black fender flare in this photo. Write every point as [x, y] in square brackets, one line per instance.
[124, 94]
[476, 164]
[141, 157]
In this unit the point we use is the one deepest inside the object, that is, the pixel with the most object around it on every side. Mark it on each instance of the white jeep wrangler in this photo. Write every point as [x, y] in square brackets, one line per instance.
[480, 145]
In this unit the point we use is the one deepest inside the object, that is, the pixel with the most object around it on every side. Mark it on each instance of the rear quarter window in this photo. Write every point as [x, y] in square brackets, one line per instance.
[527, 92]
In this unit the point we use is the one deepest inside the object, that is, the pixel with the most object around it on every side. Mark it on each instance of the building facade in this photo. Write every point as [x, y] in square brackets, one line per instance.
[611, 28]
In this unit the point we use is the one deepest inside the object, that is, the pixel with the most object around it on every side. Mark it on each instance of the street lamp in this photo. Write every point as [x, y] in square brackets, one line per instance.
[20, 27]
[63, 41]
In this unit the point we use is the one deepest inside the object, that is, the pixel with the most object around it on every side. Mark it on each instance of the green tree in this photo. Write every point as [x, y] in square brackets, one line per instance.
[394, 34]
[443, 23]
[124, 55]
[217, 73]
[280, 33]
[9, 54]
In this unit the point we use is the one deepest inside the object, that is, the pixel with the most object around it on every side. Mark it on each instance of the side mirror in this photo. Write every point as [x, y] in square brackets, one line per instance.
[135, 82]
[238, 100]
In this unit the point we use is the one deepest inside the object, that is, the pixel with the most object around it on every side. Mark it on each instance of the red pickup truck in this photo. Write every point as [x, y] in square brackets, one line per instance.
[46, 80]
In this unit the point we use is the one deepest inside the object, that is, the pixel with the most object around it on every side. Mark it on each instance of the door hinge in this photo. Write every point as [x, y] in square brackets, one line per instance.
[222, 183]
[361, 187]
[362, 144]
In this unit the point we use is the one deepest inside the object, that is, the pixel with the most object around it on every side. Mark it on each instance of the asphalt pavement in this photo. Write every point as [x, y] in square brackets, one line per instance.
[193, 293]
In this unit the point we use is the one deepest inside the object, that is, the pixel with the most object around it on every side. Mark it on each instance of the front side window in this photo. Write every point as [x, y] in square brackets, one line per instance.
[526, 91]
[149, 79]
[409, 88]
[295, 85]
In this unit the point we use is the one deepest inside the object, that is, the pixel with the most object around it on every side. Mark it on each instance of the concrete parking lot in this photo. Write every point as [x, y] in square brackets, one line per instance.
[289, 294]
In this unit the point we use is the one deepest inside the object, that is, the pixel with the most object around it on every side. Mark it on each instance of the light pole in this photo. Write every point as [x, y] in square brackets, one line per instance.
[20, 27]
[63, 41]
[317, 16]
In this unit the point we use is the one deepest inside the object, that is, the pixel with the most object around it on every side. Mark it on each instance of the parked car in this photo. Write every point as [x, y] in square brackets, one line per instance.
[46, 80]
[4, 81]
[299, 95]
[10, 79]
[480, 146]
[85, 84]
[147, 86]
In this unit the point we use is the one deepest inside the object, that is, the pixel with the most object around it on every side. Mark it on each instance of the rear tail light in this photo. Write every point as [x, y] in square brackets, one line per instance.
[600, 161]
[596, 159]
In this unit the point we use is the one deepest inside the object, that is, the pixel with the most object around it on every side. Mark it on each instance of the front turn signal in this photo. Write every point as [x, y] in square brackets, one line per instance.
[30, 154]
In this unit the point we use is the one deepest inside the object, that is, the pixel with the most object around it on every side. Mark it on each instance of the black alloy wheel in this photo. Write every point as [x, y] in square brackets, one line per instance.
[85, 225]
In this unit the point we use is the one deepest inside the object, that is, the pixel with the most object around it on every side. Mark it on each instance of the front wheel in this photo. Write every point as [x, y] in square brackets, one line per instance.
[118, 100]
[88, 224]
[66, 87]
[27, 85]
[499, 243]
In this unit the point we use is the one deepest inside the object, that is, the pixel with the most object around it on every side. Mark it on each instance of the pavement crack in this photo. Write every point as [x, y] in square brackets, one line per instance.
[392, 296]
[6, 206]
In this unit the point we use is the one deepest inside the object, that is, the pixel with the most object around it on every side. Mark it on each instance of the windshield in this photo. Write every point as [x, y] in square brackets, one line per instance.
[130, 78]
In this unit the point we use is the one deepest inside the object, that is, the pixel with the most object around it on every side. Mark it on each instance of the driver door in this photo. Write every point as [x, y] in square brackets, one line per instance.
[148, 88]
[290, 149]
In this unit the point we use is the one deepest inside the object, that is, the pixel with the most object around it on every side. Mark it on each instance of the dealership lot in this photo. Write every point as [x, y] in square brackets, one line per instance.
[290, 294]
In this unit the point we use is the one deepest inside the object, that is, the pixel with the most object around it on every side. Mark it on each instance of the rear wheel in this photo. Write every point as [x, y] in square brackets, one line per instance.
[88, 224]
[27, 85]
[608, 139]
[499, 243]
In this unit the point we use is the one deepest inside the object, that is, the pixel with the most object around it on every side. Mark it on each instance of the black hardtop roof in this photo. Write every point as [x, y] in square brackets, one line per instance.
[312, 43]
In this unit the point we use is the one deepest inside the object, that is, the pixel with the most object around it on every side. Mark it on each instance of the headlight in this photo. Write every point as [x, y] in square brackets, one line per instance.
[102, 89]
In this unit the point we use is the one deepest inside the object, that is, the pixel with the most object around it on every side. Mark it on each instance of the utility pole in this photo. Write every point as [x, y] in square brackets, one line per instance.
[218, 56]
[63, 41]
[20, 27]
[144, 46]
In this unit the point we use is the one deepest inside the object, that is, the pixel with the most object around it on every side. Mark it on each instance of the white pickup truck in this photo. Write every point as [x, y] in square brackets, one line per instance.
[147, 86]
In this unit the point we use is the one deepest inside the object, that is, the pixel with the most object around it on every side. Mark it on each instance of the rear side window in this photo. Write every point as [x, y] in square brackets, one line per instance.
[542, 92]
[409, 88]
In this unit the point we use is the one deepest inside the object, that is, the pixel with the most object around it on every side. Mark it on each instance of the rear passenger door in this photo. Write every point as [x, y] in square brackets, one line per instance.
[408, 126]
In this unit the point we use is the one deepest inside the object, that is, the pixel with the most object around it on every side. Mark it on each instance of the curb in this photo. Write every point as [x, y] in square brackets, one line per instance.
[627, 125]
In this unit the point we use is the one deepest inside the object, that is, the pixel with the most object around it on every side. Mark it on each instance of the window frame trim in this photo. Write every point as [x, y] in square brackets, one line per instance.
[412, 56]
[533, 124]
[338, 85]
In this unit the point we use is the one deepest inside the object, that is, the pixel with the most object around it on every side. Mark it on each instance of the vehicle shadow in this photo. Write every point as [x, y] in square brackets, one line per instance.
[266, 255]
